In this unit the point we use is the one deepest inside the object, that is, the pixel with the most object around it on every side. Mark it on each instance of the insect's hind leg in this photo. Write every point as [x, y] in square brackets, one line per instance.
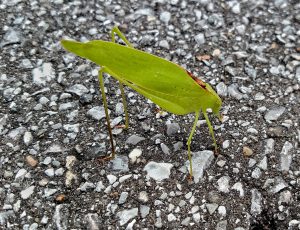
[189, 142]
[100, 76]
[114, 31]
[211, 130]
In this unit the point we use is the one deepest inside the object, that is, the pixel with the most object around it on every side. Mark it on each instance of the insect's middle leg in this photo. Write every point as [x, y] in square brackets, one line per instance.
[189, 142]
[100, 76]
[211, 130]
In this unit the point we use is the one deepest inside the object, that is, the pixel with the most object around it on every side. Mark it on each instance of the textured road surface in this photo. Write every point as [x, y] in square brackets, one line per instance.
[52, 123]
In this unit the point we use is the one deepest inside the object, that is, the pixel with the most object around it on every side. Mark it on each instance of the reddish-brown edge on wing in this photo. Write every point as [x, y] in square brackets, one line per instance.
[199, 82]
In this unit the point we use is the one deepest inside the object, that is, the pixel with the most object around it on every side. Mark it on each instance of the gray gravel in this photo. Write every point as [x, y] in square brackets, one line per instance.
[53, 131]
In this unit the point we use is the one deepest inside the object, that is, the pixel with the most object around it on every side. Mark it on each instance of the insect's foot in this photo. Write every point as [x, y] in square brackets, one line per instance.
[190, 178]
[216, 152]
[104, 159]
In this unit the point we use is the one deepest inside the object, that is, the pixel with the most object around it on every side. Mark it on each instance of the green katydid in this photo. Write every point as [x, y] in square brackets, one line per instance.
[165, 83]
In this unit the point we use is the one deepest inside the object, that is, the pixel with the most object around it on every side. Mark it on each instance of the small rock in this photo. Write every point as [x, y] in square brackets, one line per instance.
[127, 215]
[124, 178]
[201, 161]
[200, 39]
[211, 208]
[158, 171]
[285, 197]
[86, 186]
[93, 221]
[277, 131]
[259, 97]
[222, 210]
[241, 54]
[59, 172]
[177, 146]
[165, 148]
[164, 44]
[119, 108]
[49, 192]
[61, 217]
[134, 139]
[251, 72]
[256, 199]
[99, 186]
[165, 17]
[158, 222]
[134, 155]
[263, 164]
[227, 61]
[27, 138]
[225, 144]
[233, 72]
[171, 217]
[5, 216]
[241, 29]
[11, 36]
[144, 210]
[236, 8]
[43, 74]
[97, 113]
[222, 89]
[172, 129]
[77, 89]
[247, 151]
[31, 161]
[143, 197]
[67, 106]
[21, 174]
[256, 173]
[73, 128]
[86, 99]
[119, 164]
[196, 217]
[216, 53]
[111, 178]
[186, 221]
[223, 184]
[123, 197]
[269, 147]
[221, 163]
[275, 185]
[55, 148]
[239, 187]
[274, 113]
[70, 177]
[49, 172]
[286, 156]
[234, 92]
[16, 133]
[222, 225]
[26, 193]
[70, 161]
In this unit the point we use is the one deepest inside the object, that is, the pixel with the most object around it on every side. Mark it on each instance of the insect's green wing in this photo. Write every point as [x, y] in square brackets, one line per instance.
[165, 83]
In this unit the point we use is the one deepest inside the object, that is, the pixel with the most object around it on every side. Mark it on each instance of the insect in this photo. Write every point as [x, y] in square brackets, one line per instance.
[165, 83]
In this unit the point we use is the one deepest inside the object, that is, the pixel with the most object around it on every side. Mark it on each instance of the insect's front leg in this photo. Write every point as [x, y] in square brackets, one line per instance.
[189, 143]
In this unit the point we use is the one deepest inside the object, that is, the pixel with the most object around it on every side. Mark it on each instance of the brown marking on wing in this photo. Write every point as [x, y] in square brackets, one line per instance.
[199, 82]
